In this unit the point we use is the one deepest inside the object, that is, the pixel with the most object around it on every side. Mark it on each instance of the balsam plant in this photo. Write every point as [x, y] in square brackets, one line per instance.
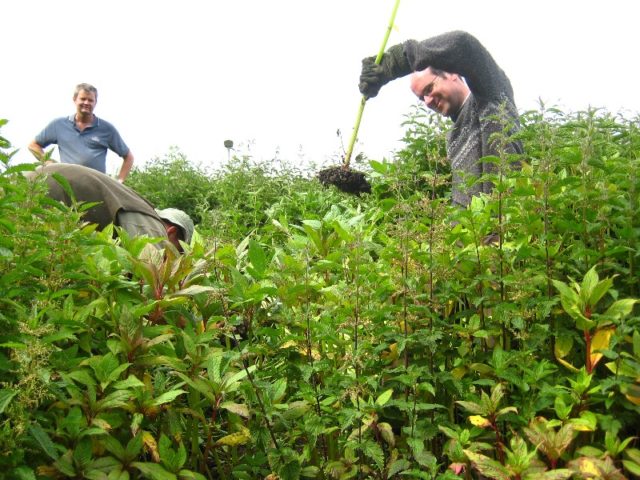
[308, 334]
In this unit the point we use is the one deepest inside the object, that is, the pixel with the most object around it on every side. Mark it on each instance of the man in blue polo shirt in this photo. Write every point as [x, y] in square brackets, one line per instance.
[83, 138]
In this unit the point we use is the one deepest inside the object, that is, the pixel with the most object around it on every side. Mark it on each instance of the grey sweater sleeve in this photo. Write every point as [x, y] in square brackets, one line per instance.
[461, 53]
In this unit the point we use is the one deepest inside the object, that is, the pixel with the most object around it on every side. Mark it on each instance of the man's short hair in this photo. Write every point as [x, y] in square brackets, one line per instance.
[438, 72]
[87, 87]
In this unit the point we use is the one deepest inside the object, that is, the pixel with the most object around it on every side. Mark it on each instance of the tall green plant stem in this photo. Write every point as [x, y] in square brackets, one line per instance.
[356, 323]
[363, 100]
[260, 403]
[314, 377]
[405, 313]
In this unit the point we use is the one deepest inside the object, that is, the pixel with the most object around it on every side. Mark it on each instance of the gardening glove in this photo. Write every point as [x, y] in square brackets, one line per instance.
[392, 65]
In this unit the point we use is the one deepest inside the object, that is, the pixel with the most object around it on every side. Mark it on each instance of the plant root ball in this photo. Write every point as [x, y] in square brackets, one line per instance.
[347, 180]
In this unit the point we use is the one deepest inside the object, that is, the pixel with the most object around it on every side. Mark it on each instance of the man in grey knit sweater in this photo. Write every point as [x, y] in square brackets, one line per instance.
[456, 77]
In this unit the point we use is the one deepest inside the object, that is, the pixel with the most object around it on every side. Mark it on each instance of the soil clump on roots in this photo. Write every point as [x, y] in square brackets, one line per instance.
[345, 179]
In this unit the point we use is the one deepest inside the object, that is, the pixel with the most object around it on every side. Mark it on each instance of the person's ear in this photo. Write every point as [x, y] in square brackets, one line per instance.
[173, 234]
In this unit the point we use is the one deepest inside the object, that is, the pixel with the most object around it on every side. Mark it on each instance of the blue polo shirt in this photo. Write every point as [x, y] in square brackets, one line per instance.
[89, 147]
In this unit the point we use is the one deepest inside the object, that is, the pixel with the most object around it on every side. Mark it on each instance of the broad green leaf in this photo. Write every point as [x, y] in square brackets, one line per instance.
[240, 375]
[620, 309]
[6, 395]
[472, 407]
[563, 346]
[487, 466]
[379, 167]
[277, 390]
[398, 466]
[171, 458]
[557, 474]
[22, 473]
[200, 385]
[45, 442]
[384, 397]
[387, 433]
[117, 399]
[131, 382]
[479, 421]
[310, 471]
[295, 410]
[600, 289]
[153, 471]
[82, 452]
[588, 285]
[238, 438]
[587, 422]
[258, 259]
[633, 467]
[373, 451]
[600, 341]
[168, 397]
[112, 445]
[290, 471]
[237, 408]
[192, 290]
[189, 475]
[134, 446]
[572, 304]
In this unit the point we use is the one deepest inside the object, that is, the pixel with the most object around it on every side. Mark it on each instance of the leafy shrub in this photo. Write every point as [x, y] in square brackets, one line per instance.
[309, 334]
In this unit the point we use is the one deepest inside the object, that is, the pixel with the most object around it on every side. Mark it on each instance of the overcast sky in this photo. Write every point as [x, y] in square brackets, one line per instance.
[281, 75]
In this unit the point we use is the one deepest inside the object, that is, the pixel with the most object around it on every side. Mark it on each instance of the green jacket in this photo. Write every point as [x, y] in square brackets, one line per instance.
[89, 185]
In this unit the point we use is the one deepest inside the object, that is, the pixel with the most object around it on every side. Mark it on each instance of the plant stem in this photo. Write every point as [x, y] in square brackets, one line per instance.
[363, 100]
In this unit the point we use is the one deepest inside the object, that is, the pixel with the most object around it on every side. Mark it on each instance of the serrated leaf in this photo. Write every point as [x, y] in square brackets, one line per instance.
[82, 376]
[373, 451]
[116, 399]
[290, 471]
[310, 471]
[130, 382]
[6, 395]
[22, 473]
[398, 466]
[167, 397]
[44, 441]
[82, 452]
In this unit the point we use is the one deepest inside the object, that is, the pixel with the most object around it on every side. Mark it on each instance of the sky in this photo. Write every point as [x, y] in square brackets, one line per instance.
[279, 77]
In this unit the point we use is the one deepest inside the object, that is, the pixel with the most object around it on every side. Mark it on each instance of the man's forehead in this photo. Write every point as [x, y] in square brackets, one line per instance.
[85, 94]
[422, 78]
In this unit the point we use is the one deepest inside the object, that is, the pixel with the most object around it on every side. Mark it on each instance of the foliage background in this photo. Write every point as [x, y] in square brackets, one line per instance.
[311, 334]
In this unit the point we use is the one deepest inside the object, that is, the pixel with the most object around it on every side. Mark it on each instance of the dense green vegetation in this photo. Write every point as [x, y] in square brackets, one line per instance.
[311, 334]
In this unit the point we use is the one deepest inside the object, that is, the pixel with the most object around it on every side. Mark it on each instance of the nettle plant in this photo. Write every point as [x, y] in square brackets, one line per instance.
[338, 337]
